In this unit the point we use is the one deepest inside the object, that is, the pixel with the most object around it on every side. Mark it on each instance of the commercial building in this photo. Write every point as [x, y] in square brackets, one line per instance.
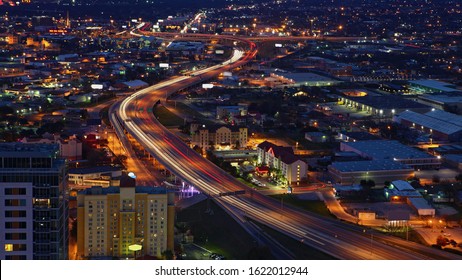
[440, 125]
[384, 106]
[33, 202]
[228, 112]
[453, 161]
[282, 158]
[220, 137]
[124, 222]
[353, 136]
[443, 102]
[70, 149]
[379, 171]
[402, 191]
[86, 177]
[431, 86]
[385, 150]
[300, 79]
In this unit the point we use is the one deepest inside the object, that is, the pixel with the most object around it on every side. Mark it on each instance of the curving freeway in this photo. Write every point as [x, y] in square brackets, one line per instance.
[333, 237]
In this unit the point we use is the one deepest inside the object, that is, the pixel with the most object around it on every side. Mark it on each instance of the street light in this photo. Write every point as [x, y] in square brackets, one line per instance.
[135, 248]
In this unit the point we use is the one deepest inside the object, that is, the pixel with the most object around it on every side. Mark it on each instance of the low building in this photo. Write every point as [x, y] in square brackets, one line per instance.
[86, 177]
[135, 84]
[220, 137]
[353, 136]
[431, 86]
[379, 171]
[383, 106]
[70, 148]
[283, 158]
[454, 161]
[401, 190]
[111, 221]
[300, 79]
[317, 137]
[441, 125]
[443, 102]
[228, 112]
[421, 206]
[386, 150]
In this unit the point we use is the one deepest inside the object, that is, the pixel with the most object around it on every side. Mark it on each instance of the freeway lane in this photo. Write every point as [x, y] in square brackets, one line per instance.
[321, 233]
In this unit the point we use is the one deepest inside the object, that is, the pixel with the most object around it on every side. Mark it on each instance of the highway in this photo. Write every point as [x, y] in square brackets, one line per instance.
[328, 235]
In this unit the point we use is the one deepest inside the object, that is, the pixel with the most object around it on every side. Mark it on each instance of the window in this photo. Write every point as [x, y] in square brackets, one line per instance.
[15, 214]
[15, 191]
[15, 236]
[15, 202]
[10, 225]
[8, 247]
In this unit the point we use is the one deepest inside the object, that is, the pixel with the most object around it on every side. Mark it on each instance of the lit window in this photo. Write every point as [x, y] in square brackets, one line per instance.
[8, 247]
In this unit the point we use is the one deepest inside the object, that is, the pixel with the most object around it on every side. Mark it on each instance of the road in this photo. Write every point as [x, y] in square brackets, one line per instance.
[328, 235]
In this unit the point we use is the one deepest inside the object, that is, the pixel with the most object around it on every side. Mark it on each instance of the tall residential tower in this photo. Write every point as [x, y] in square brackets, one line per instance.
[33, 202]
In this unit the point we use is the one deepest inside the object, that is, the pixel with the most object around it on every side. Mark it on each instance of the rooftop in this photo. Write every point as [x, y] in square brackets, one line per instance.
[285, 154]
[385, 149]
[30, 150]
[443, 126]
[370, 165]
[401, 185]
[442, 98]
[445, 116]
[96, 190]
[388, 102]
[434, 84]
[420, 203]
[360, 135]
[96, 169]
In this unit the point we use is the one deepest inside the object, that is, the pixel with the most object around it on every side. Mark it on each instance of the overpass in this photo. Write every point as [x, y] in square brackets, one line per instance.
[342, 241]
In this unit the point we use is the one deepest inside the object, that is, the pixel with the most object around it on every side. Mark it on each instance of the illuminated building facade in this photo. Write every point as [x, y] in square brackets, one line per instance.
[111, 221]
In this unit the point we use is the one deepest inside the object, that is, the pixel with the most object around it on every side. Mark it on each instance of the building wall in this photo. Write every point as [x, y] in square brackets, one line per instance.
[71, 150]
[125, 219]
[379, 177]
[15, 221]
[223, 136]
[294, 172]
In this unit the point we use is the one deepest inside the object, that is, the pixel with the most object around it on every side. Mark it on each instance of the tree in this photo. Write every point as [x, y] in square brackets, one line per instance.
[167, 255]
[436, 178]
[442, 241]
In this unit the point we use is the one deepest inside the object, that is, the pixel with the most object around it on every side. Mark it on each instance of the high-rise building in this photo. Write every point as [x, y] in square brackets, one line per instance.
[33, 202]
[124, 222]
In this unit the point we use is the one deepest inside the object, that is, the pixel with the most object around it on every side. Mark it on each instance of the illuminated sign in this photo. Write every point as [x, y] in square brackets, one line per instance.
[207, 86]
[164, 65]
[97, 86]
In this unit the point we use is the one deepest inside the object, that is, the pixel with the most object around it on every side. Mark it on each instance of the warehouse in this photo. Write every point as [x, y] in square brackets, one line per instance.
[384, 150]
[441, 125]
[379, 171]
[384, 106]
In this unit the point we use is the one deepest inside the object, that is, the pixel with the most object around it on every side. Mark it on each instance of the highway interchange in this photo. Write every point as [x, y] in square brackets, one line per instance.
[336, 238]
